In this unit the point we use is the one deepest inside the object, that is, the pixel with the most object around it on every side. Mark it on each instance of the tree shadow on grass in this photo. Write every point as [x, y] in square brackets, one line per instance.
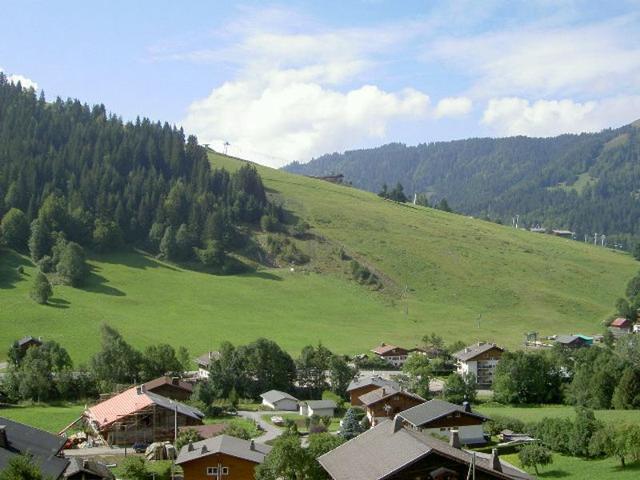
[263, 275]
[58, 303]
[9, 263]
[554, 474]
[133, 259]
[96, 283]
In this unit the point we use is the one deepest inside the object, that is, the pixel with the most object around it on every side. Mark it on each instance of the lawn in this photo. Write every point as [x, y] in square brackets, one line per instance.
[463, 278]
[51, 418]
[245, 423]
[533, 414]
[572, 468]
[334, 426]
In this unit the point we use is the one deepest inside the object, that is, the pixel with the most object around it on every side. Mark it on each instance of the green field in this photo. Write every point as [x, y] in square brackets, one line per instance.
[534, 414]
[572, 468]
[45, 417]
[442, 273]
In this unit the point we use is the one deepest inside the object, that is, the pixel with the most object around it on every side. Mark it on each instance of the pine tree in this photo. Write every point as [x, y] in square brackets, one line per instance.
[41, 289]
[168, 247]
[351, 426]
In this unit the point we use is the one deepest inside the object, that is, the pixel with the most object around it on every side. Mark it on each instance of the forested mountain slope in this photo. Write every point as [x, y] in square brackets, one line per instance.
[587, 183]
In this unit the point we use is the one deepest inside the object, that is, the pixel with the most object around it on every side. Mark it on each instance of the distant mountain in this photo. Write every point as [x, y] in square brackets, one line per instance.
[586, 183]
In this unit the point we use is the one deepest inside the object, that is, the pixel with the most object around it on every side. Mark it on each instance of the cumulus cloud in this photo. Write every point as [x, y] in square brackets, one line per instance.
[276, 121]
[24, 81]
[453, 107]
[542, 118]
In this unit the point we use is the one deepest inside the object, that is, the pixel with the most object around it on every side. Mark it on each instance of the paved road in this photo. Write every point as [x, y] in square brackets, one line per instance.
[96, 451]
[270, 431]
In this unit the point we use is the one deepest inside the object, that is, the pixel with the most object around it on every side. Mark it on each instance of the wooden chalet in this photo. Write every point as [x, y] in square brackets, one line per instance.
[392, 354]
[170, 387]
[386, 402]
[360, 386]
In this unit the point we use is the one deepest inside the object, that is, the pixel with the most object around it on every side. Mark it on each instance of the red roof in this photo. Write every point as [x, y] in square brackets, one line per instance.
[384, 349]
[122, 405]
[621, 322]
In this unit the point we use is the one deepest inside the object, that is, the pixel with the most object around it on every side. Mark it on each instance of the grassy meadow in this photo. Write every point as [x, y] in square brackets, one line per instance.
[51, 418]
[537, 413]
[572, 468]
[460, 277]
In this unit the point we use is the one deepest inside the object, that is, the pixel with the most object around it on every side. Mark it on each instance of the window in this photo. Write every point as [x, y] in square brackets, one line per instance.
[212, 471]
[225, 470]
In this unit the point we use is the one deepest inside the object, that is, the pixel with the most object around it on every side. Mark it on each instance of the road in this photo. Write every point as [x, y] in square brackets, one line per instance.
[96, 452]
[270, 431]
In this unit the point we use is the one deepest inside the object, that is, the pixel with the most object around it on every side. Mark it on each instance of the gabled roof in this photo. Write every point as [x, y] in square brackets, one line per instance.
[319, 404]
[380, 394]
[469, 353]
[383, 349]
[29, 339]
[235, 447]
[568, 339]
[273, 396]
[42, 445]
[205, 359]
[371, 380]
[621, 322]
[133, 400]
[92, 467]
[432, 410]
[165, 380]
[385, 450]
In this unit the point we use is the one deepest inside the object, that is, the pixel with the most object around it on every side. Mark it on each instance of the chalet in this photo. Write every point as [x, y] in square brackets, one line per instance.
[277, 400]
[573, 341]
[170, 387]
[137, 415]
[481, 360]
[222, 457]
[360, 386]
[204, 362]
[45, 448]
[322, 408]
[386, 402]
[395, 356]
[86, 469]
[440, 417]
[391, 451]
[27, 342]
[621, 326]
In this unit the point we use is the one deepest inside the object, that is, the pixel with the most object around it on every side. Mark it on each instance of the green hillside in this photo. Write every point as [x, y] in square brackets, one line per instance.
[441, 272]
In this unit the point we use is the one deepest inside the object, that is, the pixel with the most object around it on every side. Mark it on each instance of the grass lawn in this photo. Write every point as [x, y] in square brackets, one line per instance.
[533, 414]
[334, 426]
[49, 418]
[246, 423]
[572, 468]
[462, 278]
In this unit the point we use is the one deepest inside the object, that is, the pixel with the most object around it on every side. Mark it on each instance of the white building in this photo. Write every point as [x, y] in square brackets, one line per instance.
[277, 400]
[481, 360]
[322, 408]
[204, 361]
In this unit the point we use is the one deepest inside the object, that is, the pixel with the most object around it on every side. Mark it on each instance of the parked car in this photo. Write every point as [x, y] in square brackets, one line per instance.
[140, 447]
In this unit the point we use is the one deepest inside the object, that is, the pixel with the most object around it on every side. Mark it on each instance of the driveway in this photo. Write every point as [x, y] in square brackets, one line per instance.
[270, 431]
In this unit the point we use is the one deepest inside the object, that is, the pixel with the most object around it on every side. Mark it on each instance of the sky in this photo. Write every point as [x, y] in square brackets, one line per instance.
[290, 81]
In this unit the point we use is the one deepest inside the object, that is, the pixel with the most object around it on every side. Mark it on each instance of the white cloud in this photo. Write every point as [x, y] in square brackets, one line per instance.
[276, 121]
[542, 118]
[543, 60]
[453, 107]
[24, 81]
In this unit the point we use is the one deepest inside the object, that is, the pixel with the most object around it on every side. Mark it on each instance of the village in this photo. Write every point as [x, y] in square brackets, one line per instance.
[385, 423]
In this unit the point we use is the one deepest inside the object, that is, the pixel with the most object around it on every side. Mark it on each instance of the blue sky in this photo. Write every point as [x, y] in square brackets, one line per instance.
[293, 80]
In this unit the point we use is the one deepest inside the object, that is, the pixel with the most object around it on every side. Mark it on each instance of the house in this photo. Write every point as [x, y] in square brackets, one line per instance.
[221, 457]
[481, 360]
[391, 451]
[26, 342]
[572, 341]
[440, 417]
[322, 408]
[170, 387]
[621, 326]
[45, 448]
[278, 400]
[563, 233]
[137, 415]
[386, 402]
[395, 356]
[86, 469]
[204, 362]
[361, 385]
[636, 328]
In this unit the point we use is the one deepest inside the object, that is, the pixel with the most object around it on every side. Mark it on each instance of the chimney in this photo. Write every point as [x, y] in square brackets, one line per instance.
[466, 406]
[190, 447]
[204, 449]
[495, 460]
[383, 391]
[252, 445]
[454, 439]
[141, 389]
[4, 441]
[397, 424]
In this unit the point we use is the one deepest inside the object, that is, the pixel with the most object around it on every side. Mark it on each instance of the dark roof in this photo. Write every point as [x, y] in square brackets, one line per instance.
[569, 339]
[383, 393]
[28, 339]
[165, 380]
[205, 359]
[82, 465]
[235, 447]
[469, 353]
[384, 450]
[371, 380]
[432, 410]
[273, 396]
[318, 404]
[42, 445]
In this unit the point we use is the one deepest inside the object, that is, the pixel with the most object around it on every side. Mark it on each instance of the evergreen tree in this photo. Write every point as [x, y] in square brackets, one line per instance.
[39, 242]
[168, 246]
[627, 393]
[41, 289]
[14, 229]
[184, 243]
[636, 251]
[351, 427]
[21, 467]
